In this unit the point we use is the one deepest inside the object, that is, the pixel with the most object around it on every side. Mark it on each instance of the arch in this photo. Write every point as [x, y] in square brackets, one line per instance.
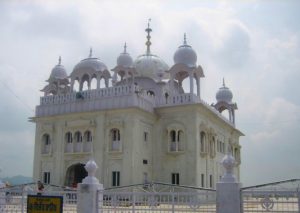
[87, 146]
[102, 82]
[46, 143]
[115, 140]
[78, 142]
[202, 142]
[75, 174]
[76, 85]
[94, 82]
[68, 142]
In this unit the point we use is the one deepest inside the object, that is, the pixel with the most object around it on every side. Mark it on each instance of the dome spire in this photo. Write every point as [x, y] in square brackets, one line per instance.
[223, 82]
[125, 48]
[59, 60]
[148, 43]
[184, 39]
[91, 52]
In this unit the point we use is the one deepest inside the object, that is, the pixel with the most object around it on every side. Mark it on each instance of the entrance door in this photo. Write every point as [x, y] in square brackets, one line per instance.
[75, 175]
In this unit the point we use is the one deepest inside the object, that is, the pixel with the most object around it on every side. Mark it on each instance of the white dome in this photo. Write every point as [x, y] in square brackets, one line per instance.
[90, 64]
[185, 55]
[224, 94]
[124, 60]
[152, 66]
[59, 71]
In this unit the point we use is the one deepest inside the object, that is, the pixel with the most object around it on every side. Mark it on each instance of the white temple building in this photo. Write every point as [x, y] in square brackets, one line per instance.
[136, 121]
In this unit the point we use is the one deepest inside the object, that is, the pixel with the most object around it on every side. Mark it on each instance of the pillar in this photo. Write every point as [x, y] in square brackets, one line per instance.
[191, 83]
[88, 191]
[228, 189]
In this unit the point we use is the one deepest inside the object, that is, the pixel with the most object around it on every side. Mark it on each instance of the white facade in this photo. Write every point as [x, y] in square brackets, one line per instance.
[143, 128]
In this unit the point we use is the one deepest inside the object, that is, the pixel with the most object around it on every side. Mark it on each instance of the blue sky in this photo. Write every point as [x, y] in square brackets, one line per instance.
[255, 45]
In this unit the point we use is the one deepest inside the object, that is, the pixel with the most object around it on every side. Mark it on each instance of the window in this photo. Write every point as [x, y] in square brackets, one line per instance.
[145, 136]
[69, 138]
[78, 137]
[210, 181]
[46, 179]
[145, 161]
[115, 134]
[88, 136]
[175, 178]
[176, 141]
[46, 144]
[173, 136]
[202, 142]
[202, 180]
[145, 177]
[115, 178]
[115, 143]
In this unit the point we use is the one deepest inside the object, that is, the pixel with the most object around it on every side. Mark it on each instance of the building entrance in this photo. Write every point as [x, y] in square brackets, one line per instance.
[75, 175]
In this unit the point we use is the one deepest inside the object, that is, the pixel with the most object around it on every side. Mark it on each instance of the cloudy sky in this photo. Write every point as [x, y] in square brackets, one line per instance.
[255, 45]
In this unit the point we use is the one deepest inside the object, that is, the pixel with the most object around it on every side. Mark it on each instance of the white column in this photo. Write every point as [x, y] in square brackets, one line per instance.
[72, 86]
[191, 84]
[228, 189]
[88, 199]
[198, 87]
[98, 82]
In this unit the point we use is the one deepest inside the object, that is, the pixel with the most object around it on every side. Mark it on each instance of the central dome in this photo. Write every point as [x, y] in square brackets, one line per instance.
[152, 66]
[91, 63]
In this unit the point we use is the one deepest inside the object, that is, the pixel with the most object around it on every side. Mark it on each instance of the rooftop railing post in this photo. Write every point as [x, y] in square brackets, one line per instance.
[88, 197]
[228, 189]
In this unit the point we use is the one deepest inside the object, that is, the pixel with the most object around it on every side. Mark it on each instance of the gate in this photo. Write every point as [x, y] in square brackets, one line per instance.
[281, 196]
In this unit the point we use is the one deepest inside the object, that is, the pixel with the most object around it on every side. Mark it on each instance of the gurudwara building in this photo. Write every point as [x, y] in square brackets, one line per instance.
[136, 121]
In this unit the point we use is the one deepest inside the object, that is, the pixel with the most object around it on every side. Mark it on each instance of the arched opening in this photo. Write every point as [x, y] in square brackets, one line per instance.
[102, 82]
[94, 83]
[75, 174]
[46, 144]
[76, 85]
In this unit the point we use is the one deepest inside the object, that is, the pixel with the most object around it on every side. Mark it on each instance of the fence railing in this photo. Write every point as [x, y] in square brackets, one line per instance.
[271, 201]
[281, 196]
[111, 201]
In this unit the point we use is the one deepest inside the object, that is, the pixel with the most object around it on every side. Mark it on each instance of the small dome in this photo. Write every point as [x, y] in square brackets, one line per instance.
[152, 66]
[185, 55]
[59, 71]
[124, 59]
[224, 94]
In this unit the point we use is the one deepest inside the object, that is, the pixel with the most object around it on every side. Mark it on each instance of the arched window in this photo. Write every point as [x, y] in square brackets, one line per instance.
[173, 136]
[68, 137]
[212, 147]
[88, 136]
[78, 137]
[115, 140]
[68, 142]
[176, 141]
[78, 140]
[46, 143]
[87, 147]
[202, 142]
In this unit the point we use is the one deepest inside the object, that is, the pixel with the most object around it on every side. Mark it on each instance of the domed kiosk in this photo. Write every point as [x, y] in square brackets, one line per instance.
[88, 69]
[58, 82]
[224, 101]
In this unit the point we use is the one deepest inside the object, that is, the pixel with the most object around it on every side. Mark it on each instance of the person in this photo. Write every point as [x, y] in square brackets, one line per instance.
[40, 186]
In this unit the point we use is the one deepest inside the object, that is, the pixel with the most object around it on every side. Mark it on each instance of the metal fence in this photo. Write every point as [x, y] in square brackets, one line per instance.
[157, 197]
[14, 199]
[283, 196]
